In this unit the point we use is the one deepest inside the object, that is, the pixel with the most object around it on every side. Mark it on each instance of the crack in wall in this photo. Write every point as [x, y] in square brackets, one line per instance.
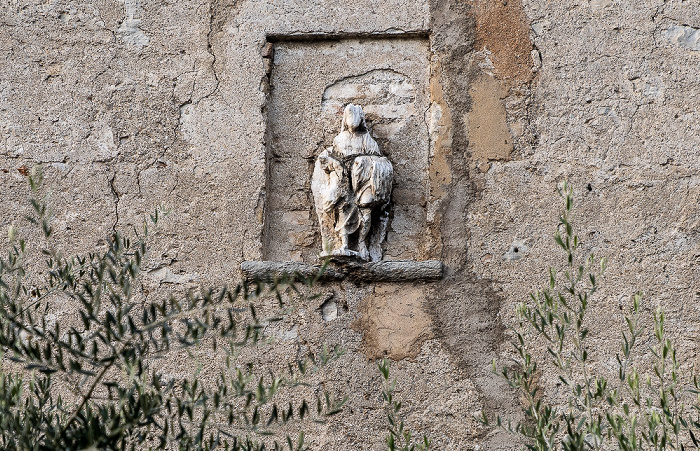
[210, 49]
[115, 194]
[216, 19]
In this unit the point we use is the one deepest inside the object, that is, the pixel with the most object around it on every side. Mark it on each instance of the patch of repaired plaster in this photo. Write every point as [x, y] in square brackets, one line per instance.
[393, 322]
[440, 127]
[489, 137]
[503, 35]
[130, 28]
[683, 36]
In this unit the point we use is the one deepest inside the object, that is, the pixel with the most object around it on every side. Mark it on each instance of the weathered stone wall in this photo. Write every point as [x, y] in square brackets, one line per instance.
[483, 107]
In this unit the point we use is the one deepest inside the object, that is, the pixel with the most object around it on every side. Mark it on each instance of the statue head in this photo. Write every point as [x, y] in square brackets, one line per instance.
[353, 118]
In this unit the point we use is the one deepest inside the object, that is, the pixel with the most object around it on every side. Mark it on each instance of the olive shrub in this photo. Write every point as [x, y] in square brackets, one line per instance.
[645, 406]
[105, 362]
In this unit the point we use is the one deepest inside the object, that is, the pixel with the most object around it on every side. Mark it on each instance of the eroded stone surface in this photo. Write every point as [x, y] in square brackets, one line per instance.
[351, 185]
[363, 273]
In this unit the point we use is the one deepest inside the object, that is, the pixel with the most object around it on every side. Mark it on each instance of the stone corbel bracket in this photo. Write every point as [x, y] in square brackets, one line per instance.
[382, 271]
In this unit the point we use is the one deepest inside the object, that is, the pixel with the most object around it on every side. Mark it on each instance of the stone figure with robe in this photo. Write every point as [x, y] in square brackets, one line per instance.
[351, 184]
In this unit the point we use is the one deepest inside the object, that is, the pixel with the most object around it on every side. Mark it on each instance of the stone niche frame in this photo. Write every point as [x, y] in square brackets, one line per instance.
[310, 77]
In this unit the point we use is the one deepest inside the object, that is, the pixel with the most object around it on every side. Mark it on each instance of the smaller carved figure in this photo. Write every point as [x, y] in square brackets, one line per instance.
[351, 185]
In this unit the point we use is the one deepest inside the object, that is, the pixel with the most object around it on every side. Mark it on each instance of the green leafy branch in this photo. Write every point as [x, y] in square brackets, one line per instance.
[399, 437]
[108, 357]
[636, 411]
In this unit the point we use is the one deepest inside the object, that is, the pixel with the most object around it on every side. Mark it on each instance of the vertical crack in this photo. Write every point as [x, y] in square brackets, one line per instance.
[210, 49]
[116, 202]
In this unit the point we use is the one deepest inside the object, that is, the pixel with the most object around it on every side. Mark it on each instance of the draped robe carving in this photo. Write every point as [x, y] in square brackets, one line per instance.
[351, 184]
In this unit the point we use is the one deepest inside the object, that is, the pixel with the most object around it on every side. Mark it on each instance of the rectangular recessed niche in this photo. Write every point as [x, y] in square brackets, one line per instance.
[310, 83]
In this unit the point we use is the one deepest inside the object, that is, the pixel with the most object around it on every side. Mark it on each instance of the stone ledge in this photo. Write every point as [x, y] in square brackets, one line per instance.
[383, 271]
[321, 36]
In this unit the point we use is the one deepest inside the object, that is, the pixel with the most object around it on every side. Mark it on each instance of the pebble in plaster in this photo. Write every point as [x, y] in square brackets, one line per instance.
[683, 36]
[129, 29]
[517, 250]
[329, 310]
[597, 5]
[14, 145]
[103, 145]
[165, 275]
[351, 184]
[290, 335]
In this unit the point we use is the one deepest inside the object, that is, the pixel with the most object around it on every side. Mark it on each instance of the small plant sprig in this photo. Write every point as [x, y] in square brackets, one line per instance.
[107, 359]
[398, 437]
[635, 411]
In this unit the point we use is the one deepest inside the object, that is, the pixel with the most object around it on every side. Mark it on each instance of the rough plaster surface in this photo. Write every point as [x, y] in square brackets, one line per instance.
[129, 105]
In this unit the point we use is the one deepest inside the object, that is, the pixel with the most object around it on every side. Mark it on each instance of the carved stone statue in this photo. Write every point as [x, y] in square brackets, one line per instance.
[351, 185]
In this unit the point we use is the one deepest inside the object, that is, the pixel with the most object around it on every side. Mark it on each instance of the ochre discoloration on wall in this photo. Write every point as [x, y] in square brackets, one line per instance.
[502, 29]
[489, 137]
[463, 306]
[503, 73]
[441, 142]
[393, 322]
[439, 119]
